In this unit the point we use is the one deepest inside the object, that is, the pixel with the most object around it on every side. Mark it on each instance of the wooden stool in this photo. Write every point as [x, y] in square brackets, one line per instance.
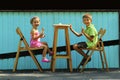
[68, 52]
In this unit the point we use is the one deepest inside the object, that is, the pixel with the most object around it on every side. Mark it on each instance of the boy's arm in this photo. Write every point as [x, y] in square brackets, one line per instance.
[87, 36]
[77, 34]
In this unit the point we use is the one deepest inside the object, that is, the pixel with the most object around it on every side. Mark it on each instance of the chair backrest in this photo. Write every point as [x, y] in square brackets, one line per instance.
[100, 35]
[18, 31]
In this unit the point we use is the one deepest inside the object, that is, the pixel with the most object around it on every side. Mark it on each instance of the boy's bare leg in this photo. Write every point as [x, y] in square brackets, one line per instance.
[75, 46]
[82, 53]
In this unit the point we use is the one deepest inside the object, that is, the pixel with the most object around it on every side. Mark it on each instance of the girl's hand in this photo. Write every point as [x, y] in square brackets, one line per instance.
[42, 30]
[41, 35]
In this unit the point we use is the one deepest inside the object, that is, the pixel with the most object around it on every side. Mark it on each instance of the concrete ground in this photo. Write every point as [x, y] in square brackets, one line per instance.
[62, 75]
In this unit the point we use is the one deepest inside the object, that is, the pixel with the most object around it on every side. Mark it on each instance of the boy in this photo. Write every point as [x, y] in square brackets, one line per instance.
[90, 33]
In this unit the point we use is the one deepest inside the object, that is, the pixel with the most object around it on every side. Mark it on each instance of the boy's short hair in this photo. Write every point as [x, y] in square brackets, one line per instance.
[87, 15]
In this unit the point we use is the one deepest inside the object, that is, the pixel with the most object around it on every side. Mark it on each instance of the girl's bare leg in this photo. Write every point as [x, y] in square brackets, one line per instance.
[44, 59]
[44, 50]
[44, 43]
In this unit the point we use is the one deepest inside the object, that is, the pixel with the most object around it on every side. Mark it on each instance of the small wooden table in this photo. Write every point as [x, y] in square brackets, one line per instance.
[68, 51]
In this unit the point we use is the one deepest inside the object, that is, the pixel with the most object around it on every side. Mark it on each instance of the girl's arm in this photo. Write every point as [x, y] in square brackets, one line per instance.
[42, 35]
[34, 36]
[77, 34]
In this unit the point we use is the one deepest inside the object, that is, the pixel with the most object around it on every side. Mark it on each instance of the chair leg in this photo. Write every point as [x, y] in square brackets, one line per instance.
[85, 64]
[79, 64]
[16, 61]
[107, 69]
[102, 60]
[86, 61]
[36, 61]
[17, 56]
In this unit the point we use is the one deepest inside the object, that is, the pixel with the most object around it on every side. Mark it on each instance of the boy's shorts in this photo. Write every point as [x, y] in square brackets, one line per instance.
[82, 45]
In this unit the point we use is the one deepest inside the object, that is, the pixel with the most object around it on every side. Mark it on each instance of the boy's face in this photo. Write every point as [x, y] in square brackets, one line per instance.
[87, 21]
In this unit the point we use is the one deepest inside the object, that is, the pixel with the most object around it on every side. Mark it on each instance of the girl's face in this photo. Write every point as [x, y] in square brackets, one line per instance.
[36, 22]
[87, 21]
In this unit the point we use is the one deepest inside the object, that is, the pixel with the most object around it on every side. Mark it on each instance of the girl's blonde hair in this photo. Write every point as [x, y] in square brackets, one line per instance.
[33, 19]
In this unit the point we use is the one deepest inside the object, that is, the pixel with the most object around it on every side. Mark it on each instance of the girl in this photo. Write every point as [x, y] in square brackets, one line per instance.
[36, 36]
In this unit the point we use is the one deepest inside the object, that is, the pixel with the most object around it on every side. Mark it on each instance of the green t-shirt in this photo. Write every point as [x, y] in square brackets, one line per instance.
[91, 31]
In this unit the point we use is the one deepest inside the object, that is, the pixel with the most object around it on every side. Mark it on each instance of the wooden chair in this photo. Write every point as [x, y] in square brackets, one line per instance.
[98, 47]
[25, 48]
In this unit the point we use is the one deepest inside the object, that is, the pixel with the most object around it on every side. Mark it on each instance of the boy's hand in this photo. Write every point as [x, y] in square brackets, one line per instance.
[70, 26]
[83, 30]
